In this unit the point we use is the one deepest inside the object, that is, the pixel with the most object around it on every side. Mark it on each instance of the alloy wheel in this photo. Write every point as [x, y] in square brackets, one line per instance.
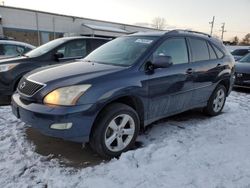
[119, 132]
[219, 100]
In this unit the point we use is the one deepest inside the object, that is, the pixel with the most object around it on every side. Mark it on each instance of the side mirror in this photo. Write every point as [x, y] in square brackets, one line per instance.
[162, 62]
[59, 55]
[20, 50]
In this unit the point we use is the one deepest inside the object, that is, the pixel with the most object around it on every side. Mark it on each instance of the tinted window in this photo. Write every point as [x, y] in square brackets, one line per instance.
[199, 50]
[75, 48]
[176, 48]
[96, 43]
[211, 52]
[218, 52]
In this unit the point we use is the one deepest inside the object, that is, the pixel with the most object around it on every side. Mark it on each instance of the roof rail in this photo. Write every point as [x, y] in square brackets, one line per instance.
[189, 31]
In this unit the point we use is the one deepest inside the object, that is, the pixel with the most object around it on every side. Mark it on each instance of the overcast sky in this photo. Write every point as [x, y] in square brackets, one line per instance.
[193, 14]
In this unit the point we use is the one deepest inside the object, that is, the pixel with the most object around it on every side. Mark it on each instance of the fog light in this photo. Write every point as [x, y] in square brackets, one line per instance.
[61, 126]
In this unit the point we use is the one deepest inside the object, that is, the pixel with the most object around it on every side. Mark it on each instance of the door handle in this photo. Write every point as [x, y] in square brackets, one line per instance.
[190, 71]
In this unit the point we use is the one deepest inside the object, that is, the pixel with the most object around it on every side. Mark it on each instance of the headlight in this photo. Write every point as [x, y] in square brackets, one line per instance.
[66, 96]
[7, 67]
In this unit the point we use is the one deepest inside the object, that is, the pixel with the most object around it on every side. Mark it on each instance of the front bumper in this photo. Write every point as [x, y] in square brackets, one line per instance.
[41, 117]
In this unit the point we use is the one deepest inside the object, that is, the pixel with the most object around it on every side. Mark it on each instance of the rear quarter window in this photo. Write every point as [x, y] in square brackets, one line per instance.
[218, 52]
[212, 52]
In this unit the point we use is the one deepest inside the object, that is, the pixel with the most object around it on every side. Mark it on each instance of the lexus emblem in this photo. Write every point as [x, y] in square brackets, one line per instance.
[22, 85]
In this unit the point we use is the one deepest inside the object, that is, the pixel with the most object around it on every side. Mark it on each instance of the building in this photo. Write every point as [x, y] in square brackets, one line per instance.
[37, 27]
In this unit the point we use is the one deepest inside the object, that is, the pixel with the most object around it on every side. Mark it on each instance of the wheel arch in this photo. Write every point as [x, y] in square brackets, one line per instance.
[132, 101]
[226, 83]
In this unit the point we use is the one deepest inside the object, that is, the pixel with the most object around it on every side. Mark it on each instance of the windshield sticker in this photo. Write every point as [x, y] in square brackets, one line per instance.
[144, 41]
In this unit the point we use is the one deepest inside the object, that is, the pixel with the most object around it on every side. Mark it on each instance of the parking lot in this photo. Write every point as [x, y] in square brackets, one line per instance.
[187, 150]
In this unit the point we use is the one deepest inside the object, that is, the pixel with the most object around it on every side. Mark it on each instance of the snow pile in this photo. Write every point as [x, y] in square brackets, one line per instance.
[189, 150]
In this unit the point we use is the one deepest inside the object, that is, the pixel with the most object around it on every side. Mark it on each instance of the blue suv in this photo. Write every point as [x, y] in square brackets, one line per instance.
[123, 86]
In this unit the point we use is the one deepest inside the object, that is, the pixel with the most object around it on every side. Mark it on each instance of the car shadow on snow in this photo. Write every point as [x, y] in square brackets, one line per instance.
[72, 154]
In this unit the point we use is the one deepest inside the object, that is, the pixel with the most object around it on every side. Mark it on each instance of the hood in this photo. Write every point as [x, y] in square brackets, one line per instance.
[13, 60]
[71, 73]
[242, 67]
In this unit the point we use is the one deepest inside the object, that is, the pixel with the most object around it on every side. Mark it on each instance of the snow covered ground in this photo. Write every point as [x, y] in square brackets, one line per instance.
[188, 150]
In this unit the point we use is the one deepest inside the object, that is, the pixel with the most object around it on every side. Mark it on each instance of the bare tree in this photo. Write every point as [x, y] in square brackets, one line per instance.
[235, 40]
[159, 23]
[246, 40]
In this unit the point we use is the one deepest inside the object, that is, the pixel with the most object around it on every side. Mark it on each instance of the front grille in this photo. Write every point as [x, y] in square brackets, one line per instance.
[28, 87]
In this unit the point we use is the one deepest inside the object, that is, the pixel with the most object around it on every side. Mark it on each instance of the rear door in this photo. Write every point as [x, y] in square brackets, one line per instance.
[170, 89]
[206, 67]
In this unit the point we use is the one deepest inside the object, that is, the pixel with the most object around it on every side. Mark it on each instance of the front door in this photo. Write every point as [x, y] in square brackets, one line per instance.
[170, 89]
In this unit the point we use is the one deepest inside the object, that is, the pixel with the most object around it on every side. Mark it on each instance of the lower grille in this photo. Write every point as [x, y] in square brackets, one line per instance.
[28, 87]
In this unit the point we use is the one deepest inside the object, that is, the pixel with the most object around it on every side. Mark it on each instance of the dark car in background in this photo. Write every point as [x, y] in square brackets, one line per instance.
[242, 72]
[239, 53]
[55, 52]
[125, 85]
[10, 48]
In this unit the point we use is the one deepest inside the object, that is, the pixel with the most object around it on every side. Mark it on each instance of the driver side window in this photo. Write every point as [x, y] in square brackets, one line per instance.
[174, 47]
[73, 49]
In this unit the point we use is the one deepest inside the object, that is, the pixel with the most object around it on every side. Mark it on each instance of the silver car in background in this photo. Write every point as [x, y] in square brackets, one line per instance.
[11, 48]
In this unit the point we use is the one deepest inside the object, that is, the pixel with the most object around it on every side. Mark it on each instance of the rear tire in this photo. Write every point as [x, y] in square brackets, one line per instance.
[216, 101]
[115, 131]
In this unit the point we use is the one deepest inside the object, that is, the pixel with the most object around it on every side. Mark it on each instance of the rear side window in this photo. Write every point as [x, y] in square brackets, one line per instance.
[199, 50]
[211, 52]
[176, 48]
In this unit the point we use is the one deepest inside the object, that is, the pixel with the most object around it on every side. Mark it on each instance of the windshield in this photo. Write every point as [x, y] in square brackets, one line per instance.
[240, 52]
[123, 51]
[245, 59]
[45, 48]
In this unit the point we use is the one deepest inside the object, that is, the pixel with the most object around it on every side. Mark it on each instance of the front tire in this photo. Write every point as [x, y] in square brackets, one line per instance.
[216, 101]
[115, 131]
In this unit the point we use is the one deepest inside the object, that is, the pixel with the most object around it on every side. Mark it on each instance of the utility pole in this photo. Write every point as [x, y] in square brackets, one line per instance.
[212, 25]
[223, 30]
